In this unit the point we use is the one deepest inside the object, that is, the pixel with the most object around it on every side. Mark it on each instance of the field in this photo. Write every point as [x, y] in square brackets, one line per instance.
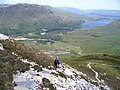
[96, 40]
[105, 39]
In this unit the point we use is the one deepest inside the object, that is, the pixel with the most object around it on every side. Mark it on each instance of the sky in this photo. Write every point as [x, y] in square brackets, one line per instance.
[81, 4]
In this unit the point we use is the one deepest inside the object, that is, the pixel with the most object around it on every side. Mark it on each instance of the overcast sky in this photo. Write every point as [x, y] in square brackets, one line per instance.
[81, 4]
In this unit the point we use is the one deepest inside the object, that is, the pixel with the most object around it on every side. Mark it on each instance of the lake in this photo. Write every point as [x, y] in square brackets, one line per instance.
[95, 23]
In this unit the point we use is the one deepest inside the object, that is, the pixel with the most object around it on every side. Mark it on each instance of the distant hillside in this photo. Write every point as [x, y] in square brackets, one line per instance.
[26, 18]
[4, 5]
[107, 13]
[73, 10]
[98, 13]
[79, 12]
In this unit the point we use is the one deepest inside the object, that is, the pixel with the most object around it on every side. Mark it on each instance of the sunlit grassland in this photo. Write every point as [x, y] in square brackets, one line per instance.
[104, 39]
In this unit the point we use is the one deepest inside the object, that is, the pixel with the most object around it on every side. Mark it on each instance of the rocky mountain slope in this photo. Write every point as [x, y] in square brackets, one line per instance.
[29, 18]
[11, 52]
[25, 68]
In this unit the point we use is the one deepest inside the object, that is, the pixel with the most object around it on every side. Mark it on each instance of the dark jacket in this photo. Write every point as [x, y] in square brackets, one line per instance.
[56, 62]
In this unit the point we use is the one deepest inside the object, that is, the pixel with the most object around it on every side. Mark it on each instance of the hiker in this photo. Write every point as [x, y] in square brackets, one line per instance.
[56, 63]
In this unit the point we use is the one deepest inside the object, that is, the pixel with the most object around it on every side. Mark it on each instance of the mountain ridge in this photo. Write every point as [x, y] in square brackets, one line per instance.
[26, 18]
